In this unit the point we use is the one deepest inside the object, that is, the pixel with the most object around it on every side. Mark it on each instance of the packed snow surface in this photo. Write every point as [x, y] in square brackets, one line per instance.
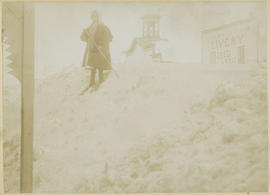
[155, 128]
[158, 127]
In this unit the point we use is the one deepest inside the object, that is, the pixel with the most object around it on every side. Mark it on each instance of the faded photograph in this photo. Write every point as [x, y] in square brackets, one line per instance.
[134, 97]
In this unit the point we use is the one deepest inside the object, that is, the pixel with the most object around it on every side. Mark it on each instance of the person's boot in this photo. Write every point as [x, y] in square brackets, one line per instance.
[92, 77]
[100, 76]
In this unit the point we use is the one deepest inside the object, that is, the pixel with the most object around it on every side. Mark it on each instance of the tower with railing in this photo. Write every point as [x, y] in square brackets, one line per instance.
[149, 39]
[151, 27]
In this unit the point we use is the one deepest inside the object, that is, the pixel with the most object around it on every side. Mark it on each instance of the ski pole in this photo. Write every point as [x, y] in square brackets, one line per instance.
[115, 72]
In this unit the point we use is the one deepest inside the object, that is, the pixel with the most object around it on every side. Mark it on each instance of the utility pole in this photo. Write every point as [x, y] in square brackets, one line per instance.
[19, 28]
[27, 111]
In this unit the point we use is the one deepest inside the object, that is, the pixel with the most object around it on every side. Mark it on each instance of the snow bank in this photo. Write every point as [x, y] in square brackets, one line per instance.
[146, 131]
[220, 146]
[134, 136]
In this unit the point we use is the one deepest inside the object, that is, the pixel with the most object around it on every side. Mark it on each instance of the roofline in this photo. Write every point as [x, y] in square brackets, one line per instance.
[151, 16]
[226, 25]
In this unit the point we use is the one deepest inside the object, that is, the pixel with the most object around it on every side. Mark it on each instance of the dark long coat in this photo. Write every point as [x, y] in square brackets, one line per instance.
[97, 52]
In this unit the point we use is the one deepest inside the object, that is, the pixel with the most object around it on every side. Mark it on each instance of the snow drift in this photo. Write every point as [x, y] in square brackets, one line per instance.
[147, 131]
[158, 128]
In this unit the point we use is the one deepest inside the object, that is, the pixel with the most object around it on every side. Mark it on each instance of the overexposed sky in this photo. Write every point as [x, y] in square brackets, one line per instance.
[59, 25]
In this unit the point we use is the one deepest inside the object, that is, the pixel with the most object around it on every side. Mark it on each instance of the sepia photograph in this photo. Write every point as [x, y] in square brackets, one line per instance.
[134, 97]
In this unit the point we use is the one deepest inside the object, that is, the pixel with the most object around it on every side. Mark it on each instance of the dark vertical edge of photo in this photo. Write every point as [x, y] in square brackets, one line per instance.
[268, 80]
[1, 109]
[18, 33]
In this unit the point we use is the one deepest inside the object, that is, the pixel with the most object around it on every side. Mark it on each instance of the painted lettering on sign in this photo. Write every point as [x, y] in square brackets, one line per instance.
[224, 46]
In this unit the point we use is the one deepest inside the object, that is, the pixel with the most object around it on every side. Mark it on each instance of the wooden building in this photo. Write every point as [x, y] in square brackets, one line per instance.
[235, 43]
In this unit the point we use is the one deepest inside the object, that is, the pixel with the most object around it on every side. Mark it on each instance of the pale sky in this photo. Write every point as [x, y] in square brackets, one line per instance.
[59, 25]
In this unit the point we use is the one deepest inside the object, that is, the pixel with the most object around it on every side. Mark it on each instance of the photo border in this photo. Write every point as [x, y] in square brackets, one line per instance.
[62, 1]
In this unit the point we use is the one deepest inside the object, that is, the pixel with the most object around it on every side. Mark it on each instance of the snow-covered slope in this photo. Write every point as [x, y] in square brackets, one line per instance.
[149, 131]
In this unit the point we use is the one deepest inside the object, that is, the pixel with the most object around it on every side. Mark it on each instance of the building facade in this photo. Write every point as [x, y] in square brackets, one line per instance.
[235, 43]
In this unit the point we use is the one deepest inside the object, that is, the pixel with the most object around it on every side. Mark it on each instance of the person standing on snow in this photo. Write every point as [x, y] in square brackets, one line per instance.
[97, 53]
